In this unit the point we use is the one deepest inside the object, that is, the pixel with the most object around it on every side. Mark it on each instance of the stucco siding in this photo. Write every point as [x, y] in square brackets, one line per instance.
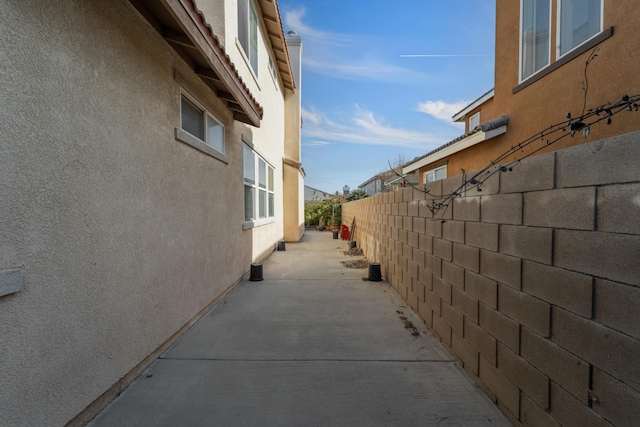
[121, 232]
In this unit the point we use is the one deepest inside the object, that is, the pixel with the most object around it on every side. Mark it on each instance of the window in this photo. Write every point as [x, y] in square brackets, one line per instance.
[259, 196]
[474, 121]
[248, 31]
[579, 20]
[200, 124]
[435, 174]
[534, 36]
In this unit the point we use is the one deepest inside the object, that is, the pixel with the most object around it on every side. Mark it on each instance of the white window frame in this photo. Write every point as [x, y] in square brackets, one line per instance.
[248, 19]
[433, 172]
[559, 30]
[261, 190]
[476, 118]
[203, 141]
[521, 34]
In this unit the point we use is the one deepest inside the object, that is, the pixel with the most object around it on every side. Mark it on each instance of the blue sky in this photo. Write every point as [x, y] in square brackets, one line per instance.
[364, 101]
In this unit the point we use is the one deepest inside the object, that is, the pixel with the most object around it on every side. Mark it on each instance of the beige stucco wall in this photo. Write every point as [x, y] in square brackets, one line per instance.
[122, 233]
[268, 139]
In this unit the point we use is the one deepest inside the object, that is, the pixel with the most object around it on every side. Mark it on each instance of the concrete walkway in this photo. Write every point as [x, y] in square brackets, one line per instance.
[311, 345]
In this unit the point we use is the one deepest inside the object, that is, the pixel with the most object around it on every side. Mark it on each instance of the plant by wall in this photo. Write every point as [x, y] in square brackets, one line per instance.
[323, 212]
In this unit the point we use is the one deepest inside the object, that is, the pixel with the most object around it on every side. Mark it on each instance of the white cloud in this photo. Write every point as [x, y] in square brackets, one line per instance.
[362, 127]
[442, 110]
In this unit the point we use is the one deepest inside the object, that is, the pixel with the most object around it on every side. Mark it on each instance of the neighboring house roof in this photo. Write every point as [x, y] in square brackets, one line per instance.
[315, 189]
[460, 115]
[373, 178]
[481, 133]
[184, 27]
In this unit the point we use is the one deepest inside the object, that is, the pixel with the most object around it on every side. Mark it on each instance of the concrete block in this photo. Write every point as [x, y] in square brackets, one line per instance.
[418, 194]
[425, 243]
[504, 389]
[11, 281]
[481, 235]
[607, 255]
[452, 184]
[442, 289]
[453, 274]
[591, 164]
[480, 340]
[617, 306]
[502, 268]
[569, 411]
[418, 258]
[619, 209]
[571, 208]
[532, 415]
[563, 288]
[420, 225]
[606, 349]
[398, 221]
[394, 209]
[403, 236]
[413, 239]
[412, 208]
[465, 352]
[465, 303]
[454, 231]
[530, 380]
[466, 209]
[571, 372]
[467, 257]
[413, 270]
[433, 301]
[532, 243]
[397, 196]
[407, 251]
[434, 228]
[433, 190]
[500, 326]
[532, 174]
[442, 330]
[407, 223]
[395, 233]
[425, 314]
[489, 183]
[615, 402]
[501, 209]
[524, 309]
[485, 290]
[443, 249]
[407, 194]
[434, 265]
[426, 278]
[452, 317]
[426, 209]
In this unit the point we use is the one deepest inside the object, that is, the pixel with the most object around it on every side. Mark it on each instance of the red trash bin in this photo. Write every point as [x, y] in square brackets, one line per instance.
[344, 232]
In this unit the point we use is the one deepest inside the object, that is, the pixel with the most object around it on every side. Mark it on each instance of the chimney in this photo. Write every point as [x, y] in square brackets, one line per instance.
[294, 46]
[345, 191]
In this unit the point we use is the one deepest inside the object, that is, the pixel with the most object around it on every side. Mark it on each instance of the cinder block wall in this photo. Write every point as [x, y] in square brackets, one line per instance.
[533, 284]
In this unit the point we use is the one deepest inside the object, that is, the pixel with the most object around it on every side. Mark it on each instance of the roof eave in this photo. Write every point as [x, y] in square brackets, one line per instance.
[184, 28]
[458, 117]
[463, 144]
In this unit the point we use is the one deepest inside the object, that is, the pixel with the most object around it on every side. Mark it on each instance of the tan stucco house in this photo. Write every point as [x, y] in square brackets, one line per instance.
[150, 152]
[541, 55]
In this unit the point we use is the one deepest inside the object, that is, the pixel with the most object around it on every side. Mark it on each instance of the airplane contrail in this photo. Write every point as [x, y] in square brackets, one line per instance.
[435, 56]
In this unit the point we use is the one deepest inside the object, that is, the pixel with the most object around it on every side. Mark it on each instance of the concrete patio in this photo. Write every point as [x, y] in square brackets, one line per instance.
[312, 345]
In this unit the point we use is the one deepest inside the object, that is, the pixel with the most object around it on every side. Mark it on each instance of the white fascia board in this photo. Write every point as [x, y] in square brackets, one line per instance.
[462, 114]
[463, 144]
